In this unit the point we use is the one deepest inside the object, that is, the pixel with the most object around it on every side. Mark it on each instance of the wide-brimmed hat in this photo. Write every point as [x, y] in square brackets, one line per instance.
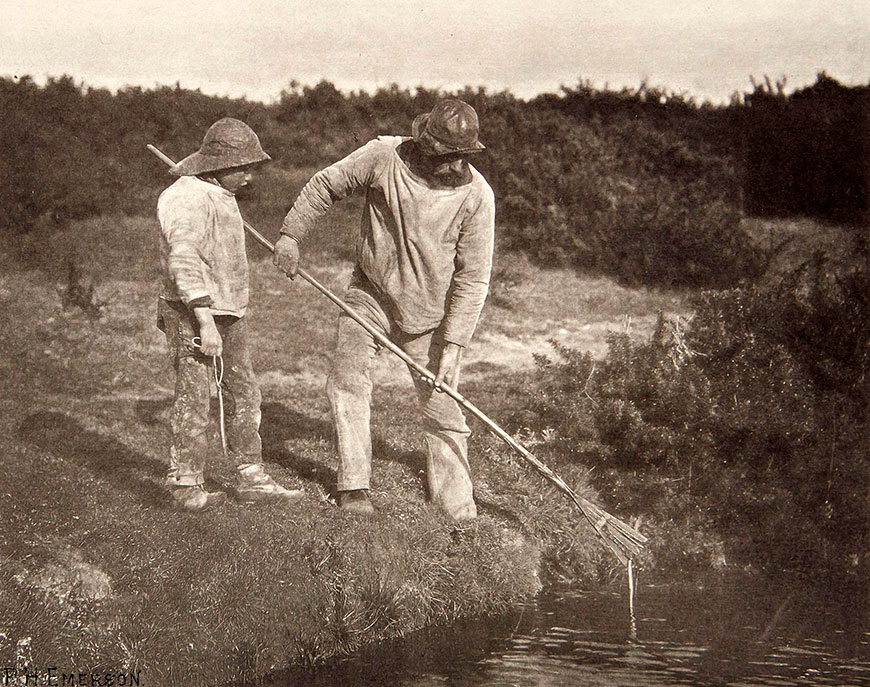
[227, 143]
[451, 127]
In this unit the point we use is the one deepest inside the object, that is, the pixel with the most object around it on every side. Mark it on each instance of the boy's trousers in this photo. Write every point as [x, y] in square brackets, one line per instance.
[193, 375]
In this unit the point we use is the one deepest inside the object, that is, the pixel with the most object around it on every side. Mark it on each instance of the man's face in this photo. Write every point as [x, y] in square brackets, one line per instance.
[448, 170]
[235, 178]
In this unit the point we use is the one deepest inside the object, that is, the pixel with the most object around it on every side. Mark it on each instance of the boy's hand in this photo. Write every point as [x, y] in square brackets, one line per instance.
[286, 255]
[209, 338]
[210, 341]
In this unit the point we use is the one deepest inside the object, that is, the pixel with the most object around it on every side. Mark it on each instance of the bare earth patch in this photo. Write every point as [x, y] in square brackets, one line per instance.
[547, 305]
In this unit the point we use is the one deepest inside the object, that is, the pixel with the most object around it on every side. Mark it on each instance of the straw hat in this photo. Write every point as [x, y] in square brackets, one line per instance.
[227, 143]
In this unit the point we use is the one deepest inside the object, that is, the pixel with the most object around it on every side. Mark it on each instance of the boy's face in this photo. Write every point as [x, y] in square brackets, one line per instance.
[235, 178]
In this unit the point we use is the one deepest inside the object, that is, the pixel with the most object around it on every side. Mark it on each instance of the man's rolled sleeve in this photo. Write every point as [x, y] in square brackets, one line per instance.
[473, 264]
[329, 185]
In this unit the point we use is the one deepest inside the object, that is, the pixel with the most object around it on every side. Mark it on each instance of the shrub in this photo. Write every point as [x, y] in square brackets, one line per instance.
[639, 402]
[621, 198]
[807, 152]
[758, 408]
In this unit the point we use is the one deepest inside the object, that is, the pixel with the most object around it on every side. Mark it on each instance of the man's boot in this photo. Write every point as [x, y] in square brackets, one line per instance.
[356, 501]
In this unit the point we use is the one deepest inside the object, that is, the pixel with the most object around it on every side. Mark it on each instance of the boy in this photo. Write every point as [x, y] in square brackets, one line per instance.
[202, 312]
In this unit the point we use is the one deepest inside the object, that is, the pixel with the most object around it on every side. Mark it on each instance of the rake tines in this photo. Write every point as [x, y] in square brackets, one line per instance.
[623, 539]
[620, 537]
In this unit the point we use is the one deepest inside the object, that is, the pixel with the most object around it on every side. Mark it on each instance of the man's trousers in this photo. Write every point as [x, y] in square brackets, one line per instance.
[349, 388]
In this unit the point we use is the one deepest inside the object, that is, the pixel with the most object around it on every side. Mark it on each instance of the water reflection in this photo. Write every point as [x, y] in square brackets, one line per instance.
[729, 635]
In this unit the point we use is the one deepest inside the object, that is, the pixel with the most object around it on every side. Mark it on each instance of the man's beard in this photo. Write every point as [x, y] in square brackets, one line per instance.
[452, 178]
[247, 192]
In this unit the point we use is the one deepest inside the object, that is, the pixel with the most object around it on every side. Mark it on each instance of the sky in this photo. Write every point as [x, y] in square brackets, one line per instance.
[256, 48]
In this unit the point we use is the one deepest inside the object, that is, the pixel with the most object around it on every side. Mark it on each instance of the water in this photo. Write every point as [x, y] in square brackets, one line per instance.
[727, 634]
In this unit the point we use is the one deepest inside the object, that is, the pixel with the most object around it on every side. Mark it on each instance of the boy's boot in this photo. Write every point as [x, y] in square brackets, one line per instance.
[196, 499]
[256, 486]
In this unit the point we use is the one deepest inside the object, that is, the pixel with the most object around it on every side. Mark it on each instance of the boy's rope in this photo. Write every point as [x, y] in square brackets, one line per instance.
[217, 367]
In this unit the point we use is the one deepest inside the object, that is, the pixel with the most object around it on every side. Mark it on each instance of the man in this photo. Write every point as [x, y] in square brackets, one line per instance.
[422, 274]
[202, 312]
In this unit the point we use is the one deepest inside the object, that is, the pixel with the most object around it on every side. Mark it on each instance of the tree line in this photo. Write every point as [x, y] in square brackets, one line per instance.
[638, 183]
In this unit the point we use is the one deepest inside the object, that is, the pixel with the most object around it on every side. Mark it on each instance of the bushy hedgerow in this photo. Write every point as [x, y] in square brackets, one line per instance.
[606, 182]
[758, 408]
[622, 196]
[73, 153]
[640, 184]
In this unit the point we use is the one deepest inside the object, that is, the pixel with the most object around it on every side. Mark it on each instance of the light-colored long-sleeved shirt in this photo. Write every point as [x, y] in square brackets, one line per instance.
[202, 247]
[427, 250]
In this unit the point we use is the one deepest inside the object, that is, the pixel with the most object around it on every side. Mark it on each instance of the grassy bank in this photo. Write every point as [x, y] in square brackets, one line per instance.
[100, 574]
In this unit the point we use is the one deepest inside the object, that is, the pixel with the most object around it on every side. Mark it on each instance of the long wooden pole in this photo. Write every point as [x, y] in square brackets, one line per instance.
[603, 523]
